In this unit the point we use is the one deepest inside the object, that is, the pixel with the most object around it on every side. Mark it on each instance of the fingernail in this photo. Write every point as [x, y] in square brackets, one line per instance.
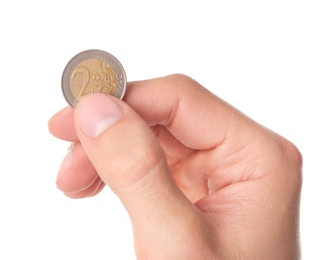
[97, 113]
[66, 163]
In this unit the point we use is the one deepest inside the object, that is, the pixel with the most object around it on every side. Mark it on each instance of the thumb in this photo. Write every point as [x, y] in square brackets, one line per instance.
[129, 159]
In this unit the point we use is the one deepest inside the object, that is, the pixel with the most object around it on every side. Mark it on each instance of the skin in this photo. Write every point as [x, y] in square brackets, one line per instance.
[199, 179]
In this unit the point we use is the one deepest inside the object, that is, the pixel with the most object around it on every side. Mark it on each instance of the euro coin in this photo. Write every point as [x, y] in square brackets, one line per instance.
[93, 71]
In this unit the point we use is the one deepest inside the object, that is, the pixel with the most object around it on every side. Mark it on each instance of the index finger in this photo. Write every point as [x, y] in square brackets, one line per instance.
[193, 115]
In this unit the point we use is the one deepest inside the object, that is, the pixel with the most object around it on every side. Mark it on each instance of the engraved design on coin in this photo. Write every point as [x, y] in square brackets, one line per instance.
[93, 71]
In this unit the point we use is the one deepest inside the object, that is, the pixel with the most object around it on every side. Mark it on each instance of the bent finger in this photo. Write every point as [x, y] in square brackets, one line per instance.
[185, 108]
[76, 172]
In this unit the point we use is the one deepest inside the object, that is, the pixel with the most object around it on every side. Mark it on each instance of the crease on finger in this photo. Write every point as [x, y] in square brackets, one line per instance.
[85, 187]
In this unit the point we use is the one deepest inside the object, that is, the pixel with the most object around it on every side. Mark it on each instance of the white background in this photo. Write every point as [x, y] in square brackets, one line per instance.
[271, 59]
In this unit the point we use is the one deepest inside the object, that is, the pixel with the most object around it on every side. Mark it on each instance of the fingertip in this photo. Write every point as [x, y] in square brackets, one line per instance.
[61, 125]
[76, 172]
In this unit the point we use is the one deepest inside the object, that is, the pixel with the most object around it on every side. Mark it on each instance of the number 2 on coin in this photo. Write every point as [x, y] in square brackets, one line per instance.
[86, 77]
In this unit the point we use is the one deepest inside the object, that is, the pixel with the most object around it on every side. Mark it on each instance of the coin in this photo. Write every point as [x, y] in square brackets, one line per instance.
[93, 71]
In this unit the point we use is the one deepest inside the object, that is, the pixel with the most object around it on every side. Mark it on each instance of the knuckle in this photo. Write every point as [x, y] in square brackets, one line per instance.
[294, 160]
[184, 80]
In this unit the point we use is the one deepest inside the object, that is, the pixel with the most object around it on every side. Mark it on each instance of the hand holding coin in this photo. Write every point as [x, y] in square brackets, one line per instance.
[199, 179]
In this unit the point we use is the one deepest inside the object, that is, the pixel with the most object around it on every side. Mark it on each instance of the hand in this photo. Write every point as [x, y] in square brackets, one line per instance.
[199, 179]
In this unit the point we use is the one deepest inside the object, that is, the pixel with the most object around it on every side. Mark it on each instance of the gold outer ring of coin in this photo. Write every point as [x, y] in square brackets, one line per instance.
[93, 71]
